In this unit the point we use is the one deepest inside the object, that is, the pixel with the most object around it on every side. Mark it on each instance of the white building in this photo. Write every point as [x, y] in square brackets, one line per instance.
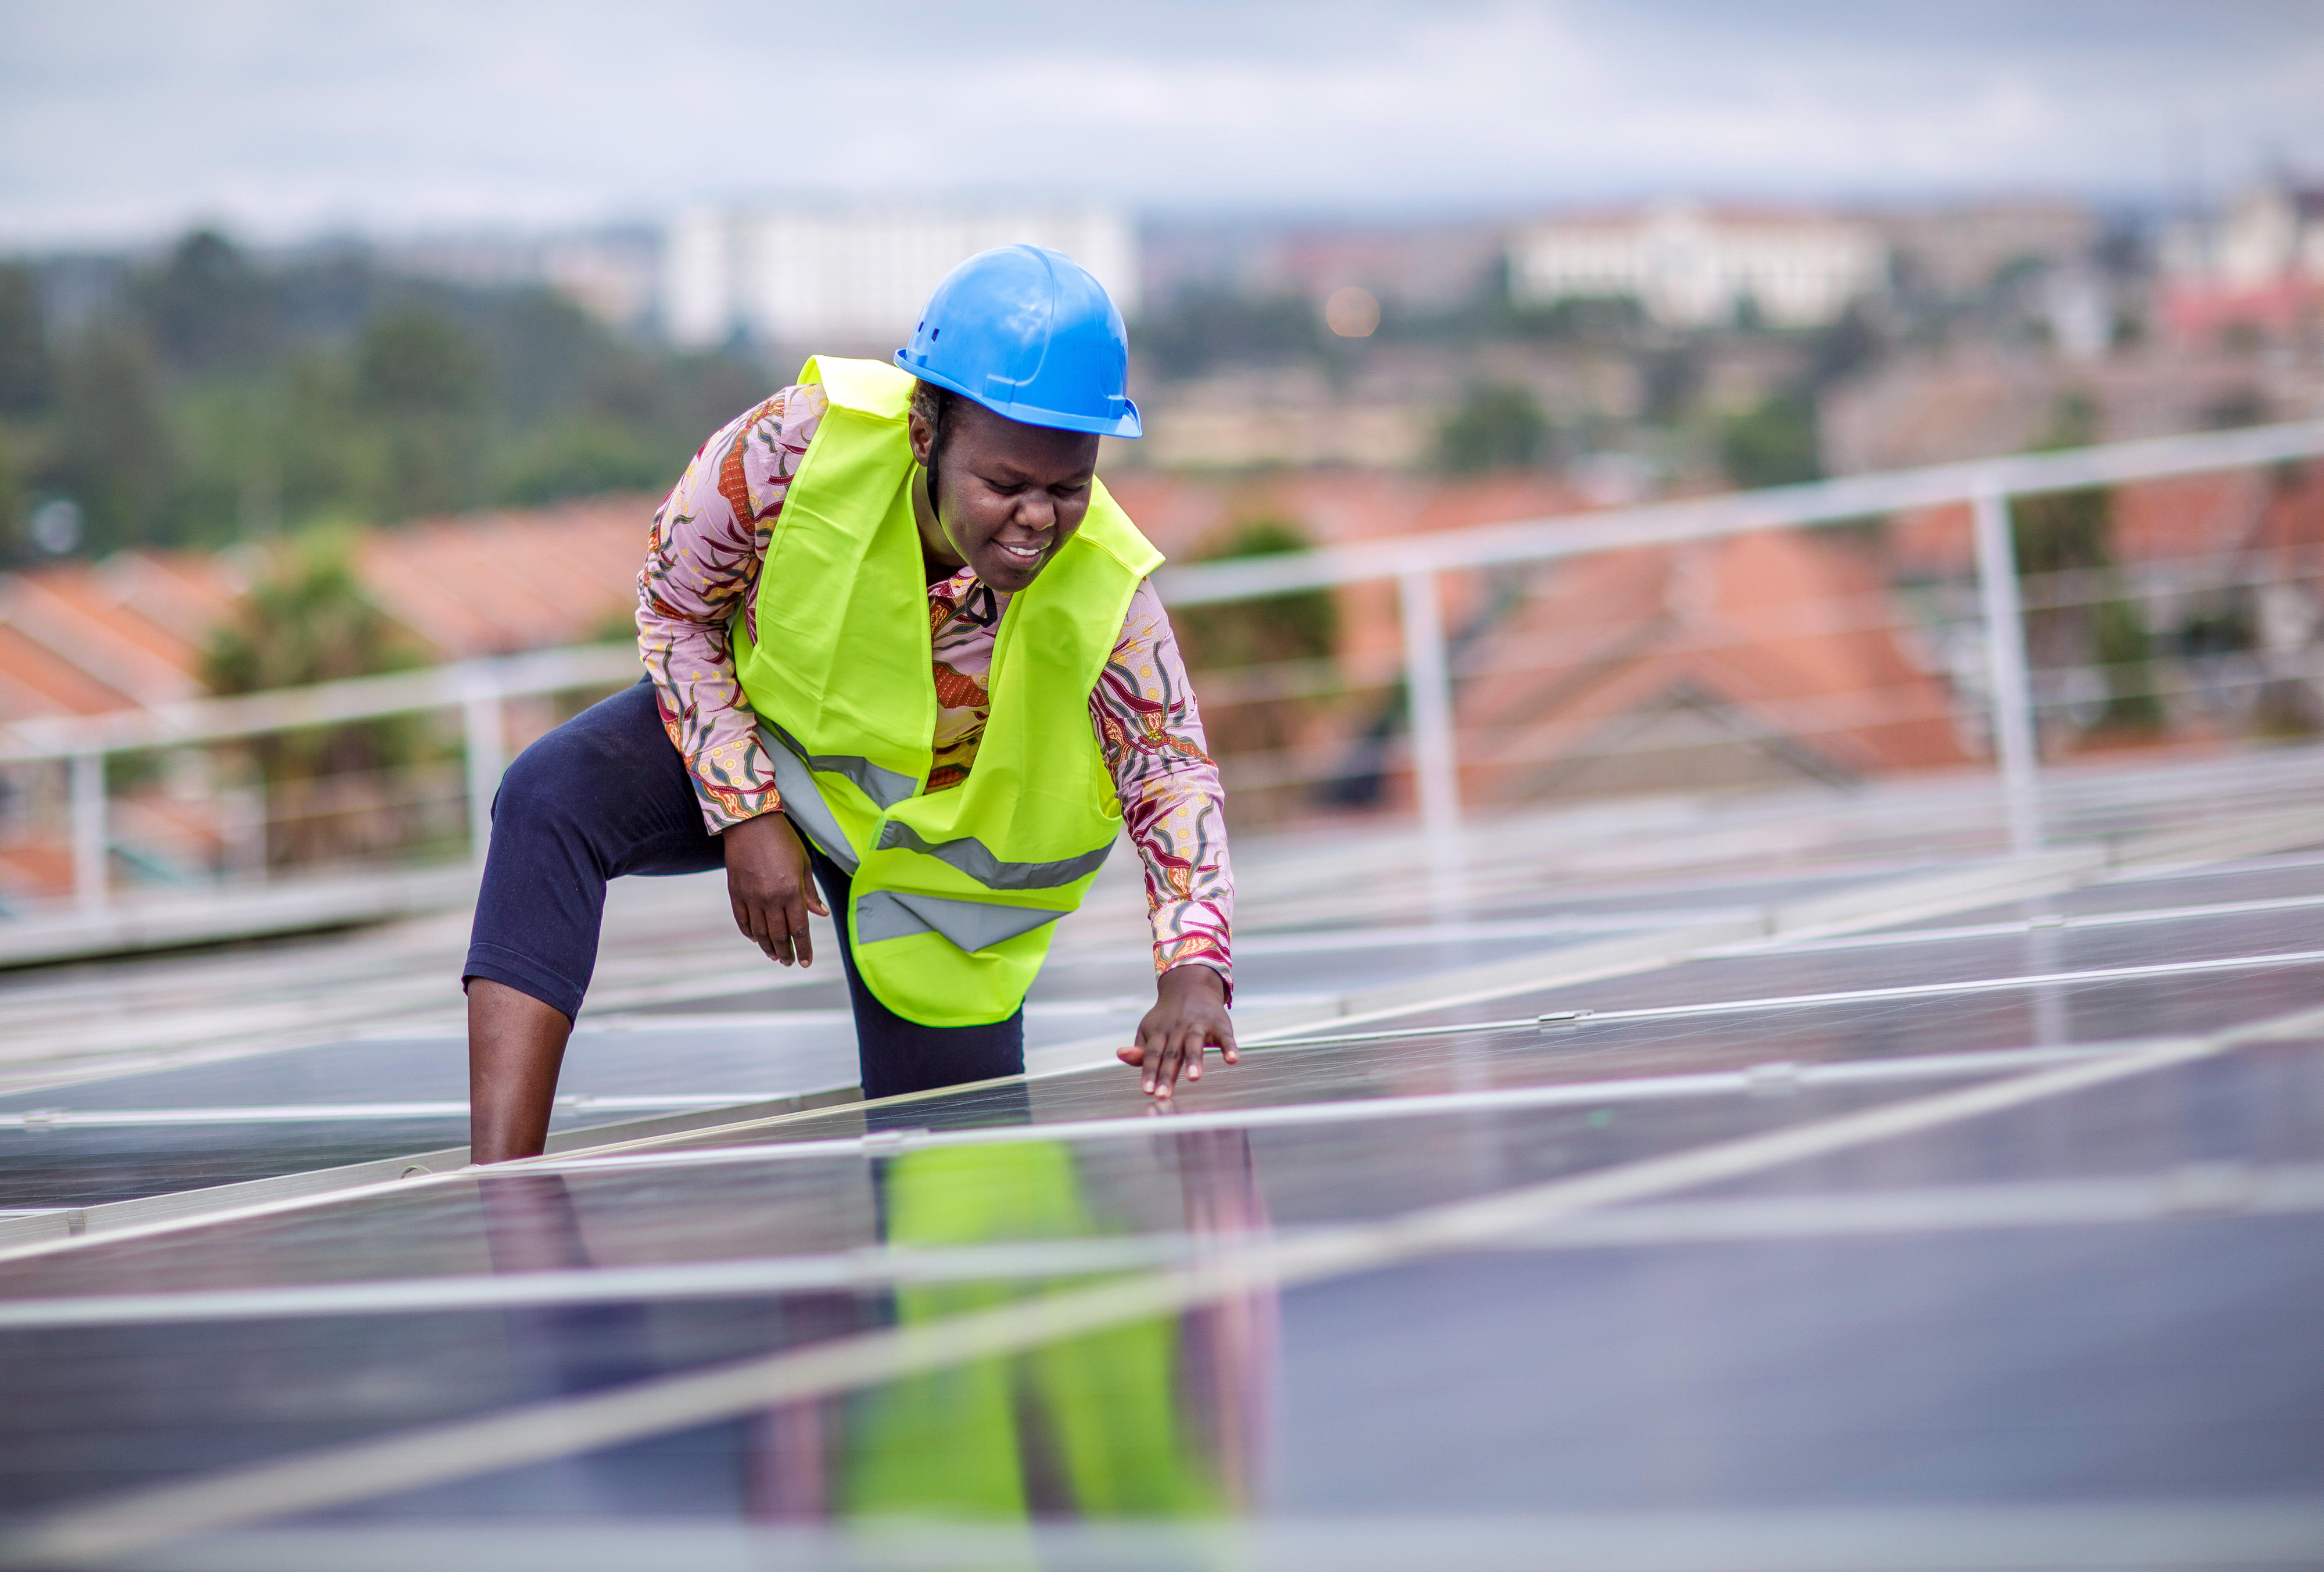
[856, 276]
[1692, 266]
[2271, 234]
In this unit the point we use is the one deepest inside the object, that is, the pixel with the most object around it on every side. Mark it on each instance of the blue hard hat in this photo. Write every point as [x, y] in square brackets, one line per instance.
[1030, 334]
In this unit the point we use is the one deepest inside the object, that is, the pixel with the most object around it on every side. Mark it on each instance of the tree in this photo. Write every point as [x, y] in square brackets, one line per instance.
[1498, 426]
[27, 371]
[424, 389]
[2080, 617]
[1257, 646]
[308, 620]
[1772, 443]
[113, 448]
[214, 394]
[1846, 347]
[2063, 531]
[208, 309]
[16, 507]
[417, 363]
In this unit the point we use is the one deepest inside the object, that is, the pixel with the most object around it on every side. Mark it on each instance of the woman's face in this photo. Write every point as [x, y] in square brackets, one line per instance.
[1007, 496]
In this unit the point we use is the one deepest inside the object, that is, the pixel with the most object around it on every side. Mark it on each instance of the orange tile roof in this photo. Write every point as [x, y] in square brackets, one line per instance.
[1793, 637]
[71, 612]
[83, 638]
[36, 681]
[494, 583]
[2180, 521]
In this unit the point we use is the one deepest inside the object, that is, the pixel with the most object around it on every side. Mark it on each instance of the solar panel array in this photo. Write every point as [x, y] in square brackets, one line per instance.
[1794, 1186]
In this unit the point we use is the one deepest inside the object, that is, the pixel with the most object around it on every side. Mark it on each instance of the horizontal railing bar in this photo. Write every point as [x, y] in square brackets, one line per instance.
[1817, 502]
[190, 721]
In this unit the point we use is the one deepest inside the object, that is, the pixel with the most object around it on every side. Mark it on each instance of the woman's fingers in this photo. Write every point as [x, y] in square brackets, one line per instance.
[1181, 1054]
[766, 926]
[746, 920]
[1168, 1045]
[771, 887]
[795, 912]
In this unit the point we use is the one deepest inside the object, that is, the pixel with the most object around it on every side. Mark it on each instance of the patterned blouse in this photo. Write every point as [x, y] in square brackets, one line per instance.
[702, 566]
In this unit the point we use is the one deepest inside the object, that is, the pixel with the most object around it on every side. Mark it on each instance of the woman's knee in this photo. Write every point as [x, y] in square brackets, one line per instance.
[561, 769]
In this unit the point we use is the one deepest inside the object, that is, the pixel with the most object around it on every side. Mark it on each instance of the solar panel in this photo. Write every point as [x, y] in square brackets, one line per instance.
[89, 1142]
[1949, 1221]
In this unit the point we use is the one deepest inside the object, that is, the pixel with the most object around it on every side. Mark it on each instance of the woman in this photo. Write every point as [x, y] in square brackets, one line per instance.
[897, 635]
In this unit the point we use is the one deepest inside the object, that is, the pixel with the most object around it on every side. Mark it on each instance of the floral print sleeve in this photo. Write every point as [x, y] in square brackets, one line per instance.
[702, 566]
[1172, 801]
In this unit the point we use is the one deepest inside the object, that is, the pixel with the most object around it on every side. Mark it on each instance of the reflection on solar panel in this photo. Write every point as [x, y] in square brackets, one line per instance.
[1675, 1206]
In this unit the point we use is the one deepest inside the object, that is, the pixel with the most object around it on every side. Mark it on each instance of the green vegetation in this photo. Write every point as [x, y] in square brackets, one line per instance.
[335, 791]
[1272, 659]
[2066, 531]
[2082, 618]
[1772, 443]
[1498, 426]
[1301, 625]
[207, 397]
[1604, 320]
[307, 620]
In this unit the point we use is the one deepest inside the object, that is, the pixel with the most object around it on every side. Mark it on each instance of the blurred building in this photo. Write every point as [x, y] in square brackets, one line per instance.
[1954, 252]
[1980, 401]
[1423, 267]
[614, 274]
[1692, 266]
[2260, 264]
[856, 276]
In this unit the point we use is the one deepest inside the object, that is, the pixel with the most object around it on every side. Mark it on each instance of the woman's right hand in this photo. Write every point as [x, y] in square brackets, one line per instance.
[771, 887]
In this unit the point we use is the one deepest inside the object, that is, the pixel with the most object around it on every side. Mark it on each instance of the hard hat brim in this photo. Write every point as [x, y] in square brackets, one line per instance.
[1127, 424]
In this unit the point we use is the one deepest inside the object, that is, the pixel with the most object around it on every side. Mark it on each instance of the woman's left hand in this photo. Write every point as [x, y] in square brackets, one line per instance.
[1189, 1016]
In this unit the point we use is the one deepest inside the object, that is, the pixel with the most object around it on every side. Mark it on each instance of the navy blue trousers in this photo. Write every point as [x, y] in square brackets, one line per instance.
[605, 795]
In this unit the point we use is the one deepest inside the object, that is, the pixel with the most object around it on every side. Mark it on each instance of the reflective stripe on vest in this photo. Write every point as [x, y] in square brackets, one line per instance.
[970, 925]
[956, 892]
[885, 787]
[973, 857]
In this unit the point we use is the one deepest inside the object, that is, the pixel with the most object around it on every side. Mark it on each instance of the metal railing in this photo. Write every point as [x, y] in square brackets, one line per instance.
[1415, 565]
[479, 690]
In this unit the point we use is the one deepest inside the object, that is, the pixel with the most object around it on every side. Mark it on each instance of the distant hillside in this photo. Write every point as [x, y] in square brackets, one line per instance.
[209, 396]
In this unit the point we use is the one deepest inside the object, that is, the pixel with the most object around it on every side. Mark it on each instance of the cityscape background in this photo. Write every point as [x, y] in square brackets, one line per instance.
[333, 349]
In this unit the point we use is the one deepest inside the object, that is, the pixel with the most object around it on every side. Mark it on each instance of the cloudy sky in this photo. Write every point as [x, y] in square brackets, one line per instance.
[284, 119]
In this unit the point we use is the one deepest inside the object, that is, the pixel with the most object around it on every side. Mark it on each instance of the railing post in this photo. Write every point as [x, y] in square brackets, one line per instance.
[2015, 745]
[1428, 702]
[487, 746]
[86, 789]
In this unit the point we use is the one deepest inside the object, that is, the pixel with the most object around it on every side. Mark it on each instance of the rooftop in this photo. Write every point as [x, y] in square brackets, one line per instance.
[1774, 1178]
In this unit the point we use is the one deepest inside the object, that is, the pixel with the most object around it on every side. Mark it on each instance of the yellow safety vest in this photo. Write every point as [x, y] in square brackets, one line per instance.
[956, 892]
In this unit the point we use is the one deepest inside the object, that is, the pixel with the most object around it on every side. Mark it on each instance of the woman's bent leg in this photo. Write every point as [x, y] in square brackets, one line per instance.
[602, 795]
[897, 1056]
